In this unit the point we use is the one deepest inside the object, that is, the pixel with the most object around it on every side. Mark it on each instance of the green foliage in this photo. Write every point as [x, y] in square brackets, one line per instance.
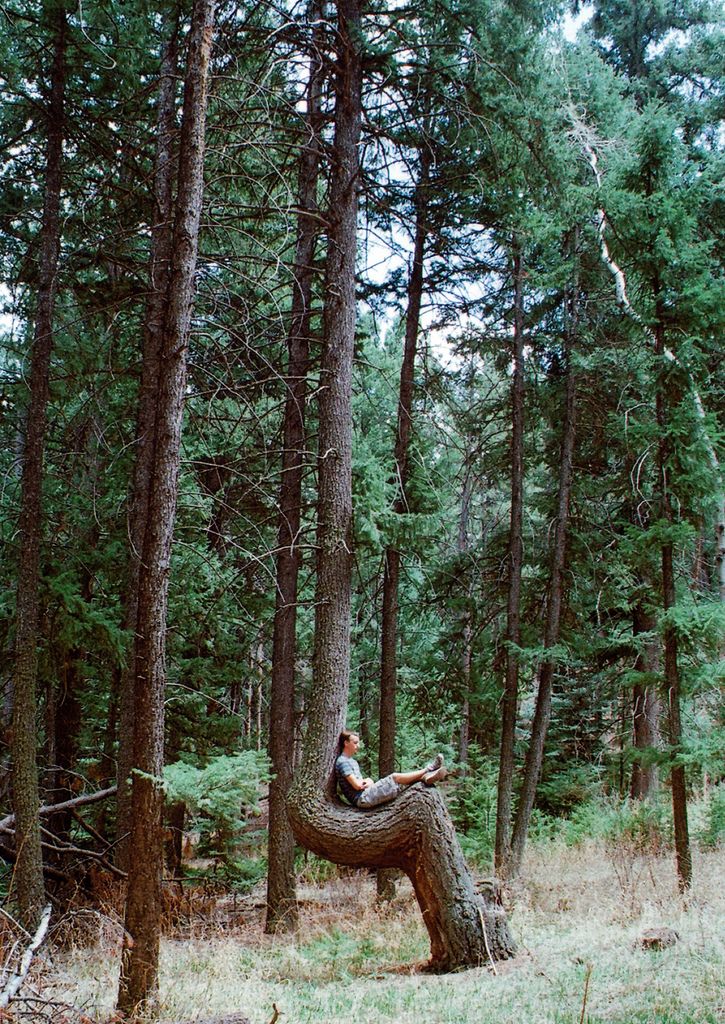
[218, 796]
[241, 874]
[642, 825]
[712, 832]
[473, 809]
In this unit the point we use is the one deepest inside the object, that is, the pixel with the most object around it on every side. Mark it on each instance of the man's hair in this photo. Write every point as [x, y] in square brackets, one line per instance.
[345, 735]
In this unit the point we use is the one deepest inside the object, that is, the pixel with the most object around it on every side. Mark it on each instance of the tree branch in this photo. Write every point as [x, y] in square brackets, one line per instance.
[17, 979]
[7, 823]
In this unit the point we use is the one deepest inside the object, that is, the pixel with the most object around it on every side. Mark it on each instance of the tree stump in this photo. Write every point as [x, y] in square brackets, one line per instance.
[657, 938]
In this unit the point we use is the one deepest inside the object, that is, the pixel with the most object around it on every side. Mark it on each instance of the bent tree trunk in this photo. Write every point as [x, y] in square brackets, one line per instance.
[414, 833]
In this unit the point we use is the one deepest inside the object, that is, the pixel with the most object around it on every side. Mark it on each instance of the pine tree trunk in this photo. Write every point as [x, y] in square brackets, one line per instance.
[282, 913]
[467, 632]
[509, 700]
[683, 855]
[645, 707]
[28, 876]
[161, 249]
[138, 985]
[413, 833]
[542, 711]
[391, 572]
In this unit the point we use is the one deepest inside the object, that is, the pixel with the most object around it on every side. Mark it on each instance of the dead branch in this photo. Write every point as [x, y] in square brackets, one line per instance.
[9, 856]
[17, 979]
[7, 823]
[57, 846]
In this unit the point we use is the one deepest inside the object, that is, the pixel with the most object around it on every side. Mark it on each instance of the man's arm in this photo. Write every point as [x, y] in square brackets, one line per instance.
[358, 784]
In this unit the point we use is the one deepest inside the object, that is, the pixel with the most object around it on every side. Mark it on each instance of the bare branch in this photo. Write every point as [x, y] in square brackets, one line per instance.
[17, 979]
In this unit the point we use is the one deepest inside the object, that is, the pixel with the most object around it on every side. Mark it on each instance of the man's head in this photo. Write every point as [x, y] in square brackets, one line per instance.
[349, 742]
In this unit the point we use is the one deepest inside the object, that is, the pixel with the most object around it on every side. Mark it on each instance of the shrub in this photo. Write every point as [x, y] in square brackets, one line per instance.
[218, 796]
[712, 832]
[645, 826]
[473, 809]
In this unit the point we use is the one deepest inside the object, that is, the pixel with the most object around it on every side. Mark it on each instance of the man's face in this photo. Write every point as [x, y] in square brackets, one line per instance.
[351, 746]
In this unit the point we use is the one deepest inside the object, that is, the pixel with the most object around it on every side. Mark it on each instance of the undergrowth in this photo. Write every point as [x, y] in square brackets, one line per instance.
[577, 911]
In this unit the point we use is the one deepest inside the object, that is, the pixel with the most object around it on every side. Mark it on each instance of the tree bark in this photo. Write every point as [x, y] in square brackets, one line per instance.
[542, 710]
[391, 572]
[138, 985]
[509, 700]
[160, 263]
[28, 877]
[282, 913]
[413, 833]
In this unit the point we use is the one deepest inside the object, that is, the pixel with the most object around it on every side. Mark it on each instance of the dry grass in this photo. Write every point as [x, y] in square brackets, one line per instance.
[575, 911]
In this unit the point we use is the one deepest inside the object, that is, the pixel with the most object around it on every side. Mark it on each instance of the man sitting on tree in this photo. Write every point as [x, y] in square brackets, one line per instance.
[365, 793]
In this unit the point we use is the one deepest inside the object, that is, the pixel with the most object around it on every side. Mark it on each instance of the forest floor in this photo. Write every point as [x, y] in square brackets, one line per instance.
[577, 914]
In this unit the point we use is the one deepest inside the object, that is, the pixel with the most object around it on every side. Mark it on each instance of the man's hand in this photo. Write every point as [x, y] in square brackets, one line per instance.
[367, 783]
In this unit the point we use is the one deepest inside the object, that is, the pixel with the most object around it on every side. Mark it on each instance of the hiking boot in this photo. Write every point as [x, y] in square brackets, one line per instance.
[437, 776]
[435, 764]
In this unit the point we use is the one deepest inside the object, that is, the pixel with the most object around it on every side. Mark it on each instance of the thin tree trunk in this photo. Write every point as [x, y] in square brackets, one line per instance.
[391, 573]
[467, 639]
[678, 781]
[28, 876]
[138, 985]
[542, 710]
[67, 706]
[645, 706]
[161, 249]
[282, 913]
[509, 700]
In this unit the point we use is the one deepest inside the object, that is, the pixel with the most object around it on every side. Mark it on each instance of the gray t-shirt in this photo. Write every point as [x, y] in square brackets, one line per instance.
[345, 766]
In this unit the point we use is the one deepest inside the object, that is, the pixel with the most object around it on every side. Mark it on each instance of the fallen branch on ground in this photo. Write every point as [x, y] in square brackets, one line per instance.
[17, 979]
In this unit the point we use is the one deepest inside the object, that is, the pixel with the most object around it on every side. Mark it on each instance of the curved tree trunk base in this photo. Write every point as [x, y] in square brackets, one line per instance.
[414, 833]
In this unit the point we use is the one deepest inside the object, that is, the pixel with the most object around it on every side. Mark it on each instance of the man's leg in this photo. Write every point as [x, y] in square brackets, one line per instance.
[408, 778]
[435, 768]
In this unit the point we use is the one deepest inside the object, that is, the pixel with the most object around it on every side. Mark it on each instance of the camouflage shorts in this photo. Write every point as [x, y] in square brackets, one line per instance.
[381, 792]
